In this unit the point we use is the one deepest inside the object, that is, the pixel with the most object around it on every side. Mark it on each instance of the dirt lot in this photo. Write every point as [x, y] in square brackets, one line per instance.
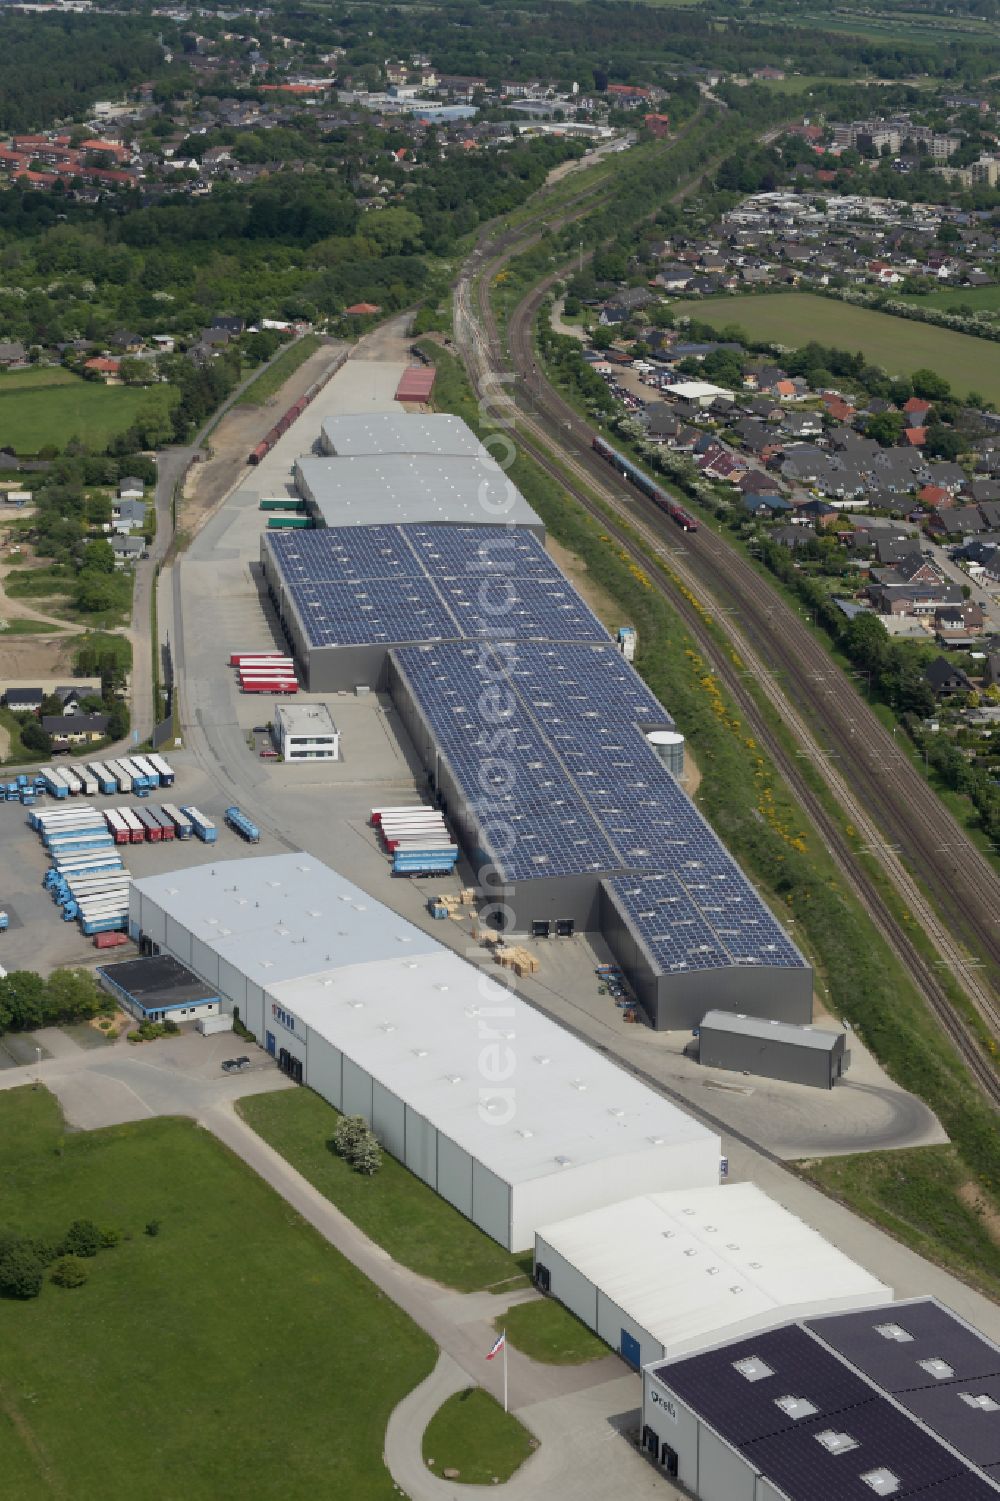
[232, 440]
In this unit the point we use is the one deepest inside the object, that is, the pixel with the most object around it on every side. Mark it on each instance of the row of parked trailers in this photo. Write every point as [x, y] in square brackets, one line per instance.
[417, 838]
[140, 774]
[266, 672]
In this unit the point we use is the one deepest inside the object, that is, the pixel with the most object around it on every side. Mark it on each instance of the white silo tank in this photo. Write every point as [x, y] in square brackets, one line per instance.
[669, 747]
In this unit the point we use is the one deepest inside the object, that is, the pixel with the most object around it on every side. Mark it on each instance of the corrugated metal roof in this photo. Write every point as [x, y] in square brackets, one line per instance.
[370, 489]
[399, 432]
[770, 1031]
[697, 1265]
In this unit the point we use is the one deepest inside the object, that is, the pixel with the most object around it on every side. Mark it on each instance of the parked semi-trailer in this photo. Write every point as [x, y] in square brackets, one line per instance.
[269, 685]
[86, 776]
[120, 775]
[167, 830]
[163, 769]
[150, 776]
[242, 825]
[70, 780]
[53, 784]
[238, 658]
[137, 832]
[150, 824]
[63, 817]
[120, 831]
[105, 780]
[182, 824]
[203, 827]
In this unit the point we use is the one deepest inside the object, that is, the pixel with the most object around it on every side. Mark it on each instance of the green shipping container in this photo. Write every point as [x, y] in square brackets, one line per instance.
[282, 503]
[286, 523]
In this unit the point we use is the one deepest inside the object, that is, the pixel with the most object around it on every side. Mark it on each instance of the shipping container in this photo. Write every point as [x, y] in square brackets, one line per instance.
[110, 939]
[416, 383]
[282, 503]
[289, 523]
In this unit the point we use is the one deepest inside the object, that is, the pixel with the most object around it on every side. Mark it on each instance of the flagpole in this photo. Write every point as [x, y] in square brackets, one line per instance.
[504, 1370]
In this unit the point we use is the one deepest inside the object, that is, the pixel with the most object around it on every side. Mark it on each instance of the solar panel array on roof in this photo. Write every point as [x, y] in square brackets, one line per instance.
[937, 1367]
[358, 585]
[582, 790]
[812, 1426]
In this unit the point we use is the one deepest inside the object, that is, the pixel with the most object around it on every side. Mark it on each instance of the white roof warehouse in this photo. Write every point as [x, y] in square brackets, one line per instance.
[509, 1117]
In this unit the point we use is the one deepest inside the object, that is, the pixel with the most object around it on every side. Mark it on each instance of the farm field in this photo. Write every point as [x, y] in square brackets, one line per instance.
[949, 299]
[40, 407]
[232, 1354]
[899, 346]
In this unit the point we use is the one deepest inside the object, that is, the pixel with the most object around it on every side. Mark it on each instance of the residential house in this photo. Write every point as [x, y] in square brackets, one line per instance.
[21, 700]
[128, 516]
[13, 352]
[127, 549]
[131, 488]
[75, 729]
[69, 697]
[946, 678]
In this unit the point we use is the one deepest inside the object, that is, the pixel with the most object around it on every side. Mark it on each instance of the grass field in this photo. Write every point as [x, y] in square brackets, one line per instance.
[899, 346]
[398, 1211]
[234, 1354]
[273, 378]
[40, 407]
[545, 1331]
[983, 299]
[472, 1434]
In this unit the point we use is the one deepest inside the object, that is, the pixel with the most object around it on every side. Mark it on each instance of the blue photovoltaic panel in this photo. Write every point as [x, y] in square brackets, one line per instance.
[493, 582]
[350, 553]
[578, 788]
[371, 611]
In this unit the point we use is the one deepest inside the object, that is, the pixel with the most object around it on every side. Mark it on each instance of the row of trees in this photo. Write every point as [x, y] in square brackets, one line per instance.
[28, 1001]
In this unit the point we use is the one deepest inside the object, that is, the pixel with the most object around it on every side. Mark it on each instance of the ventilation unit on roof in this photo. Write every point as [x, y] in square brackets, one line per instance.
[936, 1367]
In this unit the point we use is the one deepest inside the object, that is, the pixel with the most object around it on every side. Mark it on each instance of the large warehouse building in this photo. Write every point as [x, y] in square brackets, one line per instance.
[538, 740]
[902, 1401]
[442, 489]
[671, 1273]
[508, 1116]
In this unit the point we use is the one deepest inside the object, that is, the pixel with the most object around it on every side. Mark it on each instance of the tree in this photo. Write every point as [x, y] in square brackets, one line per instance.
[83, 1238]
[930, 385]
[886, 428]
[601, 338]
[34, 738]
[21, 1271]
[355, 1141]
[69, 1271]
[943, 442]
[51, 704]
[98, 556]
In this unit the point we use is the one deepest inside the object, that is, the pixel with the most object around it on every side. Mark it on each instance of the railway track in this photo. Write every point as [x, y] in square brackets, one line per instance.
[705, 565]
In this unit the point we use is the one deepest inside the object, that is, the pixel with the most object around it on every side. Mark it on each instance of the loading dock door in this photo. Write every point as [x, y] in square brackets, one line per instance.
[271, 1046]
[565, 927]
[541, 927]
[630, 1350]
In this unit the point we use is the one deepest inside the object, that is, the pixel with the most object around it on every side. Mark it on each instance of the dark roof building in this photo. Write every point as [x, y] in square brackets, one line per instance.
[899, 1401]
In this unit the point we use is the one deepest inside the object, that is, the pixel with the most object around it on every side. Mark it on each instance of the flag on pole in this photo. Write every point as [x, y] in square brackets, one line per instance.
[497, 1346]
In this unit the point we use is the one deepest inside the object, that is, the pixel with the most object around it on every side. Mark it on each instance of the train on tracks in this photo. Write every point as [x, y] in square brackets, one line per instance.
[642, 482]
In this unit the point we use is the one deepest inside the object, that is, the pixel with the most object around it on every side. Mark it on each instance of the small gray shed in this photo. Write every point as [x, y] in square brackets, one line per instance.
[815, 1056]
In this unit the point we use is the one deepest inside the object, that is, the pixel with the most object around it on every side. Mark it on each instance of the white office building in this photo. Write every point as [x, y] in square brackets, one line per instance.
[505, 1114]
[306, 732]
